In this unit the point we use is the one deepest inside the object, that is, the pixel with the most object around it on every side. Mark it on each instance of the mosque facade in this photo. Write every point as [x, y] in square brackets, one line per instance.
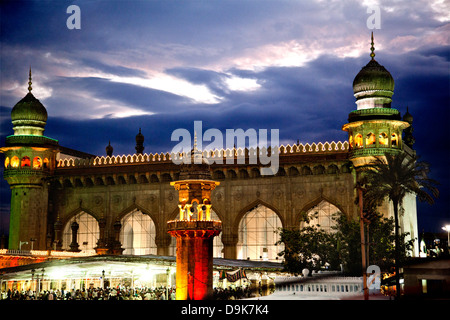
[69, 200]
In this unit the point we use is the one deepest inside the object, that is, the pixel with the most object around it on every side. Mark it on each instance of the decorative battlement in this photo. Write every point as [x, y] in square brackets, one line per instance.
[213, 155]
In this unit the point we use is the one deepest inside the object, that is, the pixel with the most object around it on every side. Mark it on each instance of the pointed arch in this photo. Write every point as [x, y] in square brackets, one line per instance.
[315, 202]
[138, 233]
[321, 211]
[257, 228]
[88, 231]
[252, 205]
[137, 207]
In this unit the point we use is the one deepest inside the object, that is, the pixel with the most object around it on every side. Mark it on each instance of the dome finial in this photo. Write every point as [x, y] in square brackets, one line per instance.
[372, 48]
[29, 81]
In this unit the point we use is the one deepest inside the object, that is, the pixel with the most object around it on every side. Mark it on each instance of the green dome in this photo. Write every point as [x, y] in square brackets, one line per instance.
[29, 109]
[375, 80]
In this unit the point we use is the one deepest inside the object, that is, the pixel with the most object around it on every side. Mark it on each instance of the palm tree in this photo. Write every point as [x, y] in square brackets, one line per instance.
[395, 176]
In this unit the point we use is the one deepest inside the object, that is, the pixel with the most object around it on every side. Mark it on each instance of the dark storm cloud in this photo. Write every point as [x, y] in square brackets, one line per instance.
[207, 43]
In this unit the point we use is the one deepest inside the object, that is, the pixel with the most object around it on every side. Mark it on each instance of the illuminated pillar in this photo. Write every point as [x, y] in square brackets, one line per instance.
[194, 233]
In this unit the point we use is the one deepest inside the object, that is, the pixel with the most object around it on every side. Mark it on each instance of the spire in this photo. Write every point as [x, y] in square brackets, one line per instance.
[109, 149]
[139, 143]
[195, 142]
[372, 48]
[29, 81]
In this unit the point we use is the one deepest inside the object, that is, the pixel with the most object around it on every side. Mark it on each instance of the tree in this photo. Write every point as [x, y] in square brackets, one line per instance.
[309, 248]
[315, 249]
[394, 177]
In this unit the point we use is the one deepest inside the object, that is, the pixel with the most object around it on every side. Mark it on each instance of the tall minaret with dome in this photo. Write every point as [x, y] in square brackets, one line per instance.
[30, 158]
[374, 128]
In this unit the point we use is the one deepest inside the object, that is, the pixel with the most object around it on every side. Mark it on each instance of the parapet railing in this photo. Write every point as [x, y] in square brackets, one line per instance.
[296, 149]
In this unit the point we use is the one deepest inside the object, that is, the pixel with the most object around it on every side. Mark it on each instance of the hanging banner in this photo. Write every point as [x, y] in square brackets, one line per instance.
[233, 276]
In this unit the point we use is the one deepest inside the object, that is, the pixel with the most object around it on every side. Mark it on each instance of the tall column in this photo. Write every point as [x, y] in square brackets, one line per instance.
[194, 232]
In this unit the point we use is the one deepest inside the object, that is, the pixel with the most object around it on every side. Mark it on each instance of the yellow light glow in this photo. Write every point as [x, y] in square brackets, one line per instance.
[6, 162]
[15, 162]
[37, 163]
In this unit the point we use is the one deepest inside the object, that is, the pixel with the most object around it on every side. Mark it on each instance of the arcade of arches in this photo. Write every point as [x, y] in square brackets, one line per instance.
[257, 232]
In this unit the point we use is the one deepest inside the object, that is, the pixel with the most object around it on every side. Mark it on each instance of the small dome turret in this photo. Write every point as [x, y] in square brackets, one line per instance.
[139, 142]
[373, 86]
[29, 115]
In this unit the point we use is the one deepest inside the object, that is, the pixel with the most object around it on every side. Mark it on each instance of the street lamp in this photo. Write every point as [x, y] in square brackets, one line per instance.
[447, 228]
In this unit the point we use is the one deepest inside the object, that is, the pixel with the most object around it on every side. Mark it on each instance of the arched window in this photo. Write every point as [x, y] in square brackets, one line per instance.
[6, 162]
[46, 163]
[138, 234]
[37, 163]
[370, 139]
[358, 141]
[394, 140]
[15, 162]
[26, 162]
[217, 242]
[87, 235]
[350, 142]
[258, 233]
[321, 215]
[383, 139]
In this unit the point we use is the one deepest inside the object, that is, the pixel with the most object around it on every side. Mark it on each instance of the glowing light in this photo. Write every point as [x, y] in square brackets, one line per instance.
[15, 162]
[37, 163]
[26, 162]
[6, 162]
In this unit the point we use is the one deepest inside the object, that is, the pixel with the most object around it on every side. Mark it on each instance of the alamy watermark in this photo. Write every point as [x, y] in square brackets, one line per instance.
[74, 20]
[266, 152]
[374, 20]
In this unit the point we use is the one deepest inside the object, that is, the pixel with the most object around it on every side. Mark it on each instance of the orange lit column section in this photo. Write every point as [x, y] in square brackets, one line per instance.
[195, 232]
[194, 257]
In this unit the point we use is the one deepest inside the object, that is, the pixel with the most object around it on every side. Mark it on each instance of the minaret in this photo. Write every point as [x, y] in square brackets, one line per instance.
[139, 142]
[30, 157]
[194, 230]
[374, 128]
[109, 149]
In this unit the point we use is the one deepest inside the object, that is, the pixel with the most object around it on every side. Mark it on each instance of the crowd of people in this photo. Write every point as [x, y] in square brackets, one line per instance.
[119, 293]
[232, 293]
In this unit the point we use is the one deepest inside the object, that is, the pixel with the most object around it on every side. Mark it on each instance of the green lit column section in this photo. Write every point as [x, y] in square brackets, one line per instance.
[30, 160]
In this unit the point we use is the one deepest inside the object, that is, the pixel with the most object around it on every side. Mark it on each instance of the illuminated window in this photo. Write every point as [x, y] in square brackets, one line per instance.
[321, 216]
[258, 233]
[370, 139]
[37, 163]
[350, 141]
[46, 163]
[6, 162]
[26, 162]
[217, 241]
[138, 234]
[15, 162]
[383, 139]
[87, 235]
[358, 141]
[394, 140]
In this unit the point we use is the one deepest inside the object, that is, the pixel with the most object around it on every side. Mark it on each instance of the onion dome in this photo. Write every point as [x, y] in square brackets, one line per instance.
[29, 115]
[373, 86]
[139, 142]
[408, 117]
